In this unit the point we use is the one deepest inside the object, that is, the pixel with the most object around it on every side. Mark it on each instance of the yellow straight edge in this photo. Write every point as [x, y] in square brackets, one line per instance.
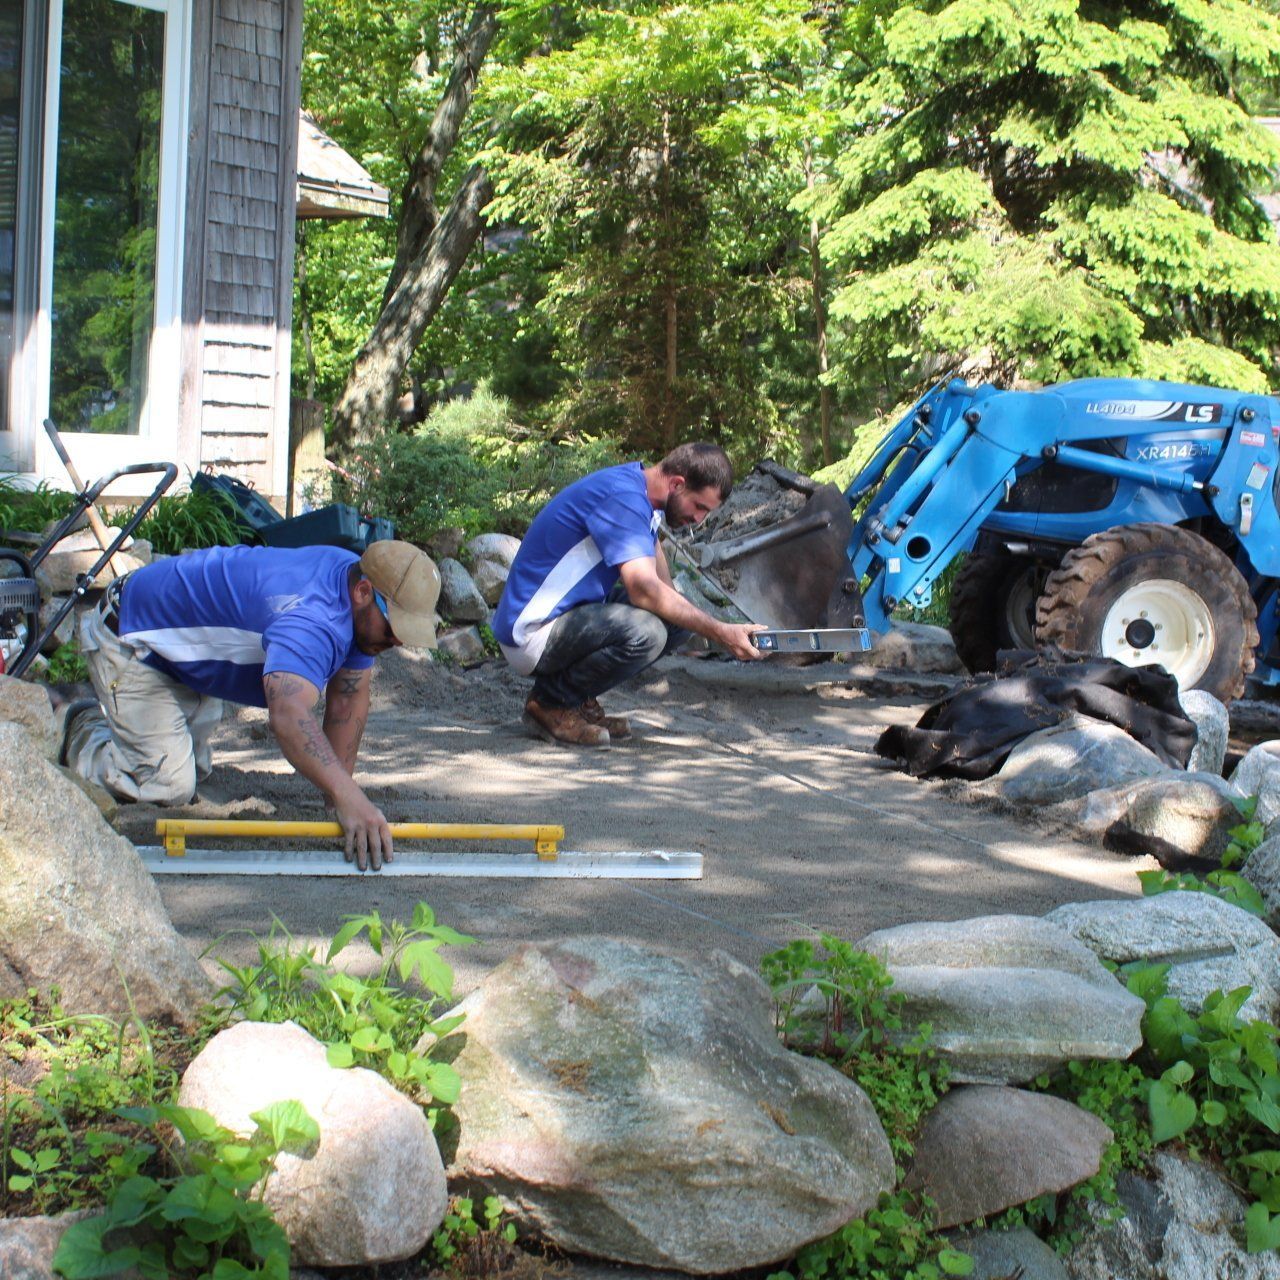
[175, 831]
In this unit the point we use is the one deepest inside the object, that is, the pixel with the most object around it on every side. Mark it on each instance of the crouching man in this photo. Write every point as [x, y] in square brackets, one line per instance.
[256, 625]
[560, 618]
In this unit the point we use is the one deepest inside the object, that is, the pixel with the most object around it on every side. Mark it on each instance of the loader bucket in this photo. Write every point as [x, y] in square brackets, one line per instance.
[793, 574]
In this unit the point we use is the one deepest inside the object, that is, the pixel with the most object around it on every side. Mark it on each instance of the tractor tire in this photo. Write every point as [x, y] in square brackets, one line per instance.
[1154, 593]
[993, 600]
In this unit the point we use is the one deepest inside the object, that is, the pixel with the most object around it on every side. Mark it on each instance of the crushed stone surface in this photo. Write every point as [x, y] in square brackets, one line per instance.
[767, 771]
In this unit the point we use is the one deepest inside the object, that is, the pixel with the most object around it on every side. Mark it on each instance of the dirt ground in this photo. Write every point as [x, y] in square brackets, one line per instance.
[766, 770]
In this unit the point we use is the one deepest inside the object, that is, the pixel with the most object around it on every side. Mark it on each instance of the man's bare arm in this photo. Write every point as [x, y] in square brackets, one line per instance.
[646, 590]
[346, 710]
[291, 713]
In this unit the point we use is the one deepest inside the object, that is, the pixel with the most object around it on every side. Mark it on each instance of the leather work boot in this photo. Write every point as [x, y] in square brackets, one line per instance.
[564, 724]
[593, 713]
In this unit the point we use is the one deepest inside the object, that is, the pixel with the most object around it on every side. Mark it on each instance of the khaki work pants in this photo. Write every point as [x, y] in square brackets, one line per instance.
[149, 740]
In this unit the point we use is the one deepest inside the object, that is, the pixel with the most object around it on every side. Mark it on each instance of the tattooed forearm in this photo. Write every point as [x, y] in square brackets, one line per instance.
[349, 683]
[314, 743]
[281, 685]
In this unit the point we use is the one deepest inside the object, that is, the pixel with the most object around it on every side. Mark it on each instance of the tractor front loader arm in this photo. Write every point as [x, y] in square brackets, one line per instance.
[943, 480]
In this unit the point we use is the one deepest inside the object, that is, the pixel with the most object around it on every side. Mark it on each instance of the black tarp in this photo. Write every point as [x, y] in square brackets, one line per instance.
[970, 733]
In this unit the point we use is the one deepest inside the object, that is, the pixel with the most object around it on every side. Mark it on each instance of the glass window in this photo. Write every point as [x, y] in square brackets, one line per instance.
[106, 202]
[10, 100]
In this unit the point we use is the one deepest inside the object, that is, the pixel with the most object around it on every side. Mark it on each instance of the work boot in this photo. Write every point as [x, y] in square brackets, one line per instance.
[618, 726]
[564, 724]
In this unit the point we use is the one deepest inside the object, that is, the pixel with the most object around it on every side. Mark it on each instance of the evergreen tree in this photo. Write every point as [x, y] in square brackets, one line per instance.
[1054, 188]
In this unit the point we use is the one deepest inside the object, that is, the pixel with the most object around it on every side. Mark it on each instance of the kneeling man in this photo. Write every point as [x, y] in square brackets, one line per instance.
[558, 619]
[269, 627]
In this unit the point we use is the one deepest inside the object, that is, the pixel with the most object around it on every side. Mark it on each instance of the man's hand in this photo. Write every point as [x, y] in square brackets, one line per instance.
[291, 703]
[367, 832]
[646, 590]
[736, 637]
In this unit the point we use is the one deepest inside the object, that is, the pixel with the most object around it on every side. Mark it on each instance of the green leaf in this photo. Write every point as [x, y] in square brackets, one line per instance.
[350, 930]
[288, 1123]
[1262, 1231]
[1213, 1112]
[955, 1263]
[339, 1054]
[1164, 1026]
[21, 1182]
[82, 1254]
[1172, 1111]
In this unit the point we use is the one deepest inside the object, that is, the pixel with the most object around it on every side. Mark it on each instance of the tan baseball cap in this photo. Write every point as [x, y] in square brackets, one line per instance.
[410, 583]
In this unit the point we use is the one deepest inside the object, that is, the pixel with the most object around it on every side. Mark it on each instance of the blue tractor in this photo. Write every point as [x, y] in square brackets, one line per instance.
[1133, 519]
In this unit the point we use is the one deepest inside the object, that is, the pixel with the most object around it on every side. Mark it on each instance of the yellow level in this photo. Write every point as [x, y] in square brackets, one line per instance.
[175, 831]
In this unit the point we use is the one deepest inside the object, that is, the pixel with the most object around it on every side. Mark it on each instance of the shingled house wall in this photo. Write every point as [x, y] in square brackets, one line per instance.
[238, 267]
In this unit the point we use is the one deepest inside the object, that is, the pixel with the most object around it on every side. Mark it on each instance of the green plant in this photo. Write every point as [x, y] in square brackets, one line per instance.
[62, 1082]
[31, 510]
[470, 465]
[1224, 883]
[66, 665]
[193, 520]
[1215, 1086]
[839, 1004]
[206, 1220]
[461, 1233]
[374, 1022]
[892, 1242]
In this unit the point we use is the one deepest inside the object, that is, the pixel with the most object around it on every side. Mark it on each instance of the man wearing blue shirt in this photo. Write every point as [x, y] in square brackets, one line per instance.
[556, 620]
[268, 627]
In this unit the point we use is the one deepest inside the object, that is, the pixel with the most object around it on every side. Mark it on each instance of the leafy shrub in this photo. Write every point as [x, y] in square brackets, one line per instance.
[66, 665]
[208, 1219]
[838, 1004]
[63, 1144]
[374, 1022]
[31, 510]
[193, 520]
[468, 465]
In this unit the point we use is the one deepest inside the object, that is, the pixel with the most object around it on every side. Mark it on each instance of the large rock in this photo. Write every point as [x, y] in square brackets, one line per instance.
[1071, 759]
[27, 1246]
[64, 632]
[27, 704]
[999, 1255]
[640, 1107]
[77, 908]
[490, 577]
[984, 1148]
[1262, 870]
[464, 646]
[912, 646]
[1007, 996]
[445, 543]
[459, 599]
[500, 548]
[76, 554]
[1174, 813]
[1258, 774]
[373, 1190]
[1209, 944]
[1184, 1224]
[1213, 726]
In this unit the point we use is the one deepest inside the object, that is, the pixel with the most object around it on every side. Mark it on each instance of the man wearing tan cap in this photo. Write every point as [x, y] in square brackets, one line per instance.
[268, 627]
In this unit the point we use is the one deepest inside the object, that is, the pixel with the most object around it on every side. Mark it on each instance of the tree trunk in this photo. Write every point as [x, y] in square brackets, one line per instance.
[820, 318]
[671, 304]
[418, 213]
[369, 398]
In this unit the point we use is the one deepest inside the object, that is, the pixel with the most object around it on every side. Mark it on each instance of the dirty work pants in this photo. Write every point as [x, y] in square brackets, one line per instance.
[596, 646]
[149, 739]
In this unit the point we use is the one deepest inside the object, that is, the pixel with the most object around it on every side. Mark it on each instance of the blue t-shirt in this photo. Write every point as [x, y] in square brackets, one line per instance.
[571, 556]
[219, 620]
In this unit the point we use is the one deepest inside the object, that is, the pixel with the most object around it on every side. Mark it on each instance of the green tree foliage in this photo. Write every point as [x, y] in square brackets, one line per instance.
[628, 154]
[1051, 189]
